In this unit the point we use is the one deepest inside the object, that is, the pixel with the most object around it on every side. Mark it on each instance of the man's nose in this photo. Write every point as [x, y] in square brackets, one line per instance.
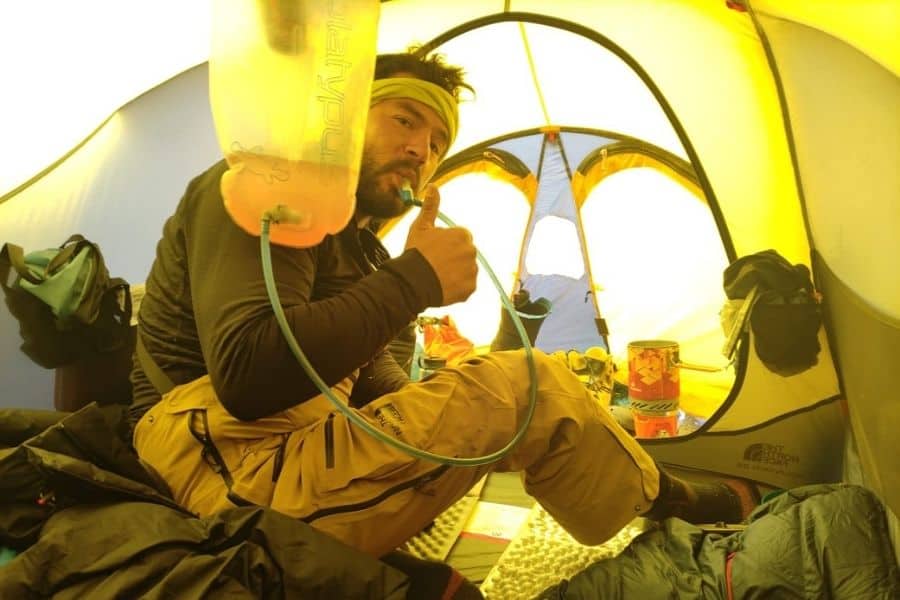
[419, 147]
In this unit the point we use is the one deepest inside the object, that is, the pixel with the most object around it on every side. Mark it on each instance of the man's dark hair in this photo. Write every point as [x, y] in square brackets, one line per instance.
[429, 68]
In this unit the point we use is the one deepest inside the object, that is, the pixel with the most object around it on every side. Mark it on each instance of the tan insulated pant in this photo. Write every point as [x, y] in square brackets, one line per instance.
[310, 462]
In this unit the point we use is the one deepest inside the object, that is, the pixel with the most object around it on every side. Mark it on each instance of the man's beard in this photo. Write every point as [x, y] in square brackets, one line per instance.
[373, 201]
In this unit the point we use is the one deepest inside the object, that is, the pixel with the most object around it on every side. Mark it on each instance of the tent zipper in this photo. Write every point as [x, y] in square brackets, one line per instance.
[729, 590]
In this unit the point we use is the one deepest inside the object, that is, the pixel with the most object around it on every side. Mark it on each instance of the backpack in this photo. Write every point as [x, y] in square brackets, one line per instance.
[67, 305]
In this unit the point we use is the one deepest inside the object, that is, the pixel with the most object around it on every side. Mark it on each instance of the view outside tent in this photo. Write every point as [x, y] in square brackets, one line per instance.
[657, 260]
[554, 249]
[655, 257]
[496, 213]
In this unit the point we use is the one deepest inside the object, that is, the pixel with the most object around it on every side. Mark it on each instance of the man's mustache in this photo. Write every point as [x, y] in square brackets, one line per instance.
[401, 165]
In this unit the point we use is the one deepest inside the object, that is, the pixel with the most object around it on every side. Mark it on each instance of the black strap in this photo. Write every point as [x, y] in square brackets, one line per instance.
[157, 377]
[5, 265]
[198, 424]
[115, 284]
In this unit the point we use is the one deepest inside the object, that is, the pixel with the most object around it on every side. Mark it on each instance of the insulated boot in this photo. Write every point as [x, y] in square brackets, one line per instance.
[532, 315]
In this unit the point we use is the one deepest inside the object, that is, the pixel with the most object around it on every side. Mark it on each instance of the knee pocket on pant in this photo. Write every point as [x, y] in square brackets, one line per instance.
[340, 454]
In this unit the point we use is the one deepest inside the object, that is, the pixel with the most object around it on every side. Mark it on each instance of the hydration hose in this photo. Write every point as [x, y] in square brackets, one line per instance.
[351, 414]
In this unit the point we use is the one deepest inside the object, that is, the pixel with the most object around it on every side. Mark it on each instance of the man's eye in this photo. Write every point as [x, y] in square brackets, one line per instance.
[404, 121]
[436, 149]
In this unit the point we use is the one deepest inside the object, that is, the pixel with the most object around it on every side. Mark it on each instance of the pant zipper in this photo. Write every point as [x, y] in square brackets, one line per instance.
[420, 480]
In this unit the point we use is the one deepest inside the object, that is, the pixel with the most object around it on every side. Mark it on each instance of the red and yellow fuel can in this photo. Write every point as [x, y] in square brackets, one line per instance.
[654, 387]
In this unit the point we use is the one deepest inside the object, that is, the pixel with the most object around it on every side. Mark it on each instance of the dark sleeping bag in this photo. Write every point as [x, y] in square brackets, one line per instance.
[80, 517]
[821, 541]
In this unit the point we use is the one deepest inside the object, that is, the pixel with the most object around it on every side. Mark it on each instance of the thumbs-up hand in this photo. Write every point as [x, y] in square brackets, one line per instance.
[449, 250]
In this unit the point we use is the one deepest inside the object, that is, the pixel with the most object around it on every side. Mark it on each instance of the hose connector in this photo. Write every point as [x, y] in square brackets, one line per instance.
[406, 193]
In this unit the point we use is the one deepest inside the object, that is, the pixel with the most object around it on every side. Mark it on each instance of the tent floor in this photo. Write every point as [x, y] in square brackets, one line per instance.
[536, 553]
[475, 556]
[539, 553]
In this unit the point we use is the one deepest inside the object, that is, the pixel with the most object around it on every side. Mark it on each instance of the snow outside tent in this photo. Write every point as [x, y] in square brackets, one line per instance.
[616, 156]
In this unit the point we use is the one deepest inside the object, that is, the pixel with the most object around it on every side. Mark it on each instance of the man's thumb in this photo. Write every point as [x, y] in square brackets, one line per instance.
[428, 213]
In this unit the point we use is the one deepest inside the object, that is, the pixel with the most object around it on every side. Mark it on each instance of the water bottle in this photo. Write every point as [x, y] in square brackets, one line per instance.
[289, 84]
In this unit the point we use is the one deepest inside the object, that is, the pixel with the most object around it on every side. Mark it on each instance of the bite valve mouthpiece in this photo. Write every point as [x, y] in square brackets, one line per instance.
[407, 194]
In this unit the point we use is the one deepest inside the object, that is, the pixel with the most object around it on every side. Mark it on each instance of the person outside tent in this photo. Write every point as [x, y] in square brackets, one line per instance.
[245, 424]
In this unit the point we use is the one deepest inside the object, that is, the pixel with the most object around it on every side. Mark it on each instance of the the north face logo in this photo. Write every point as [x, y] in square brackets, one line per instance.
[388, 417]
[772, 454]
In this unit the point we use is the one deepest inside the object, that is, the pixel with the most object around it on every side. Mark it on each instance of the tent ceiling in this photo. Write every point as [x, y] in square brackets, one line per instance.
[67, 66]
[95, 57]
[869, 25]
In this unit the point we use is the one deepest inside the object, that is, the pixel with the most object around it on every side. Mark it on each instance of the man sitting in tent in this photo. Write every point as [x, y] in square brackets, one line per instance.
[245, 424]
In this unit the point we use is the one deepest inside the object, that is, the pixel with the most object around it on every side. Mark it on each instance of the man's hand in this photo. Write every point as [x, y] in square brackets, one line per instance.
[449, 251]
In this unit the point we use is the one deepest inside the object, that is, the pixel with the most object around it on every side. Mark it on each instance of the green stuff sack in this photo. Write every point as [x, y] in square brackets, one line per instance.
[67, 305]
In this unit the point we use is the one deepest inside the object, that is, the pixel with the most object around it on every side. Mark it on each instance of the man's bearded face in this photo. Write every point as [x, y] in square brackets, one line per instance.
[405, 141]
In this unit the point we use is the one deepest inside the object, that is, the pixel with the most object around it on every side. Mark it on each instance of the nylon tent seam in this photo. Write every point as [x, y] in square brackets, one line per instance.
[534, 77]
[785, 116]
